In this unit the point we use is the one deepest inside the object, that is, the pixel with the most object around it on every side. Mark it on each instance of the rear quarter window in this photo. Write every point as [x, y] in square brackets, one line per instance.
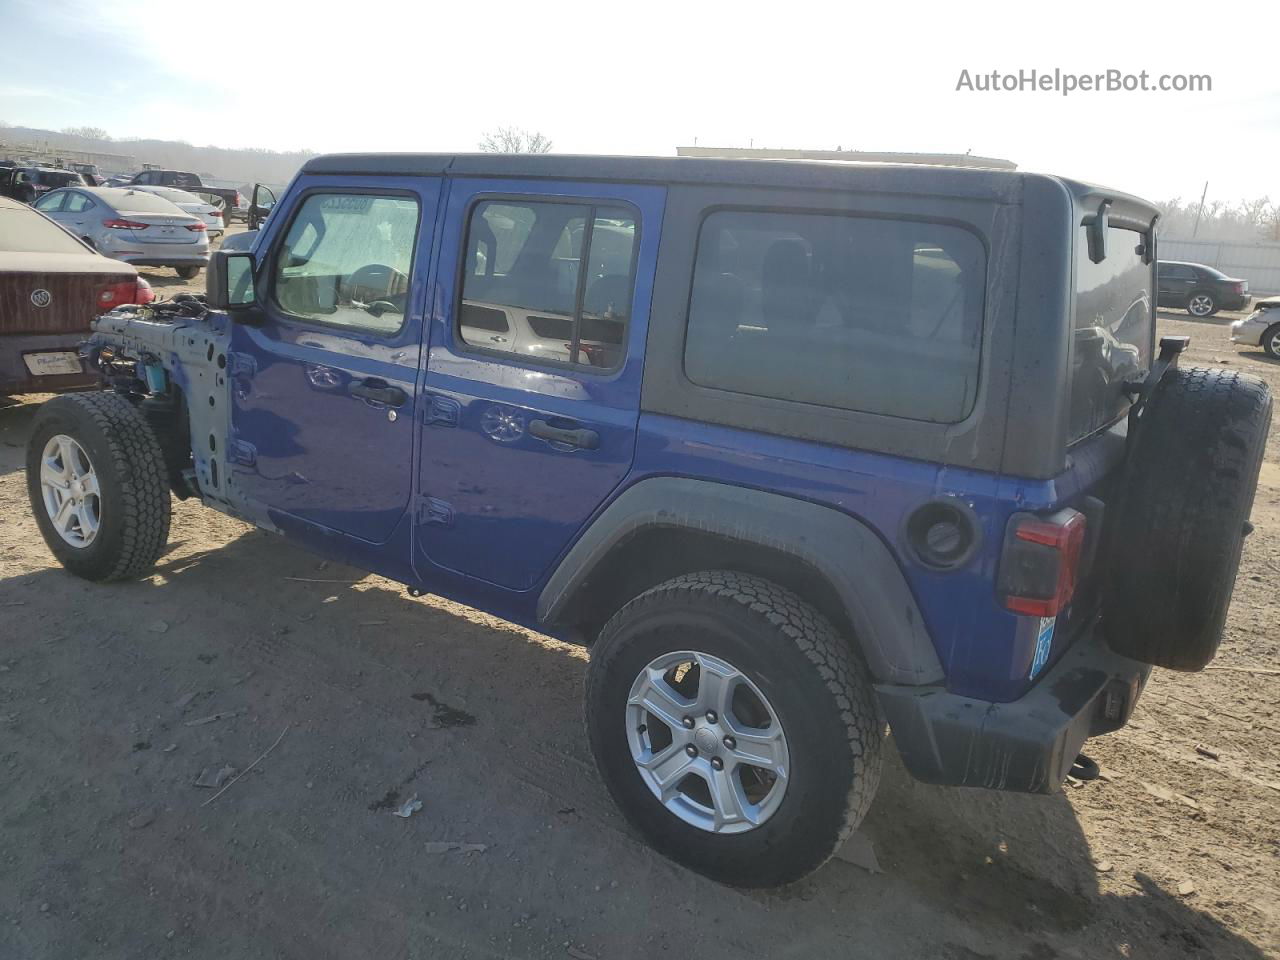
[1113, 329]
[855, 313]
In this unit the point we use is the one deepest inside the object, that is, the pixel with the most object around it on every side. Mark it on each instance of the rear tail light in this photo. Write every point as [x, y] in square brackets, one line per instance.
[127, 291]
[124, 225]
[197, 227]
[239, 199]
[1040, 563]
[1241, 286]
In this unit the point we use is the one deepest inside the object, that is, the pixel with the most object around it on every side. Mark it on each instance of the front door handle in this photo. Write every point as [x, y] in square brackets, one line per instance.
[378, 391]
[580, 437]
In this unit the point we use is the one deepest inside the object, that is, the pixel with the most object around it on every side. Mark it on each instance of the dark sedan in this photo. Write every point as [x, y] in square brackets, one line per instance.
[1200, 290]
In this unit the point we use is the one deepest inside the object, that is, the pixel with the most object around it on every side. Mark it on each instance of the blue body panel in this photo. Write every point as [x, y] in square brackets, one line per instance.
[500, 504]
[457, 498]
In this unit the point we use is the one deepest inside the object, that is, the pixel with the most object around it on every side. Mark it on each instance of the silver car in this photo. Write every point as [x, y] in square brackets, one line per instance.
[131, 225]
[1261, 328]
[191, 203]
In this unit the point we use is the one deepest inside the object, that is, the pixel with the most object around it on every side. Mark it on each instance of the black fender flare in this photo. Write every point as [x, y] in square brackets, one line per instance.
[866, 577]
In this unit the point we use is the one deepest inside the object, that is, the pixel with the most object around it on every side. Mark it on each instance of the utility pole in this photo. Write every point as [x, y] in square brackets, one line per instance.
[1201, 210]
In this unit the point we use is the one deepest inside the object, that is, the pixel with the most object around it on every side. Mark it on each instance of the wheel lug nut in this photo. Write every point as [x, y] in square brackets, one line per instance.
[730, 743]
[688, 722]
[691, 750]
[717, 763]
[711, 716]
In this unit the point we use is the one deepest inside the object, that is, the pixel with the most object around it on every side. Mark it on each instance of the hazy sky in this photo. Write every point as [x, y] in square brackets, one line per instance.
[645, 77]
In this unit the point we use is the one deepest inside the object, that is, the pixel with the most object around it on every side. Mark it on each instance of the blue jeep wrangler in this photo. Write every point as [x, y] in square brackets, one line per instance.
[800, 450]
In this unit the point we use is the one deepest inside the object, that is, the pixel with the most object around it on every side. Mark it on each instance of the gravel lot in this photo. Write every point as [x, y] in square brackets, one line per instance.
[370, 697]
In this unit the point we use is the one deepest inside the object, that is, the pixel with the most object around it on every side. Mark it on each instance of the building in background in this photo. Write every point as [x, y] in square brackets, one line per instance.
[864, 156]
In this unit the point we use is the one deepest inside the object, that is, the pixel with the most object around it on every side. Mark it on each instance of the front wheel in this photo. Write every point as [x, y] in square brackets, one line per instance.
[734, 727]
[98, 486]
[1202, 305]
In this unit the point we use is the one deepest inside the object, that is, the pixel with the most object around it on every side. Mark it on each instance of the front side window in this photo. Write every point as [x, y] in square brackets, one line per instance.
[347, 260]
[873, 315]
[51, 202]
[529, 289]
[1114, 325]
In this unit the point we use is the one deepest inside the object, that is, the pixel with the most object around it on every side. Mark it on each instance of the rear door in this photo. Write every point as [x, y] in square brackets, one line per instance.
[532, 388]
[323, 372]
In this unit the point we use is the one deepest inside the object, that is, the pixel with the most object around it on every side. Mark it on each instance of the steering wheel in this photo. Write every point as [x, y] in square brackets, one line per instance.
[374, 280]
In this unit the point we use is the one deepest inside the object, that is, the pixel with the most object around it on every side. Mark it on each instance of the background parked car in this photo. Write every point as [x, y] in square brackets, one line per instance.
[28, 183]
[192, 204]
[1261, 328]
[131, 225]
[184, 180]
[1200, 290]
[51, 287]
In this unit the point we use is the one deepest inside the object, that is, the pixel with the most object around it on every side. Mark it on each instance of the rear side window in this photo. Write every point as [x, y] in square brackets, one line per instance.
[549, 282]
[1114, 327]
[873, 315]
[347, 259]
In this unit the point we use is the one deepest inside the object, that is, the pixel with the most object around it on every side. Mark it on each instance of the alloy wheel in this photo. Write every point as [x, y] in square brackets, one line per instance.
[69, 485]
[707, 742]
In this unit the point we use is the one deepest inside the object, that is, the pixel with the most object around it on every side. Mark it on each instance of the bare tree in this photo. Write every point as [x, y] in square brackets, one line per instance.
[89, 133]
[514, 140]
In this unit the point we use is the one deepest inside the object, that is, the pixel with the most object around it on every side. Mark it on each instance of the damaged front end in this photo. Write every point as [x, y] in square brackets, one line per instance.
[171, 360]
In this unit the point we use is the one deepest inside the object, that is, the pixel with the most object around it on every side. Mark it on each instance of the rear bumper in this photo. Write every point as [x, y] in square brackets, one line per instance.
[16, 378]
[1025, 746]
[176, 260]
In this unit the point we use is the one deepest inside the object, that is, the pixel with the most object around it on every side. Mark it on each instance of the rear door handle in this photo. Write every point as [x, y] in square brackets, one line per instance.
[379, 391]
[580, 437]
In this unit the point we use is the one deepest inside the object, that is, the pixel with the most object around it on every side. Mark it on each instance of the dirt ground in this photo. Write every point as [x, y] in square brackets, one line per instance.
[370, 698]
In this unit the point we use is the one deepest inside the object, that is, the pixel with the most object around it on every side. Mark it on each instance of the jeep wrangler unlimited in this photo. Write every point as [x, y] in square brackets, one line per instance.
[800, 450]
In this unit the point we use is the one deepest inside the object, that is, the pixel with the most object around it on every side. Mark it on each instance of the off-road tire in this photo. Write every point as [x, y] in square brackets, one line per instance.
[1202, 295]
[1271, 341]
[817, 685]
[1177, 526]
[186, 273]
[131, 476]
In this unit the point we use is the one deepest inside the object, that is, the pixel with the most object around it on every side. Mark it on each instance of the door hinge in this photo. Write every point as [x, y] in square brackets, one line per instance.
[436, 511]
[241, 365]
[441, 411]
[242, 452]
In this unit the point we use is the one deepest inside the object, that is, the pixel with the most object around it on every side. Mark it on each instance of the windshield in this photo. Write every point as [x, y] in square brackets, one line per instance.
[1114, 326]
[175, 196]
[138, 201]
[25, 231]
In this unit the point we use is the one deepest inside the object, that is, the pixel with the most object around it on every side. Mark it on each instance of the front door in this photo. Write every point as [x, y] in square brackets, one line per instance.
[532, 389]
[323, 371]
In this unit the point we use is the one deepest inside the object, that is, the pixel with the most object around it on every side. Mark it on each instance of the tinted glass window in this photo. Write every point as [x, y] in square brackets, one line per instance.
[77, 203]
[1176, 271]
[1113, 329]
[881, 316]
[347, 259]
[23, 231]
[528, 288]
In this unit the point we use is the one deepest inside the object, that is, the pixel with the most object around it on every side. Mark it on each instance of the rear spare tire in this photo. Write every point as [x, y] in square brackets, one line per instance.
[1177, 525]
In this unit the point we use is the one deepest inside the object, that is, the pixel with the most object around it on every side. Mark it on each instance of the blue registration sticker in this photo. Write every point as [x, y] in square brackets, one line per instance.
[1044, 641]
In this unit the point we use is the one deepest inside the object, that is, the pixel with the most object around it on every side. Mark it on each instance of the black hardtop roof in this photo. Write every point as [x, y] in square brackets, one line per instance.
[829, 175]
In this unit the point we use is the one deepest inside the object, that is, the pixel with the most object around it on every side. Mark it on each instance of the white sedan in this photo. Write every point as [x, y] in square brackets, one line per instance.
[189, 203]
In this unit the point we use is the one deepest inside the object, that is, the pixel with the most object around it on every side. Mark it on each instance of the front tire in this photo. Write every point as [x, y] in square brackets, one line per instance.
[1202, 305]
[734, 727]
[98, 487]
[187, 273]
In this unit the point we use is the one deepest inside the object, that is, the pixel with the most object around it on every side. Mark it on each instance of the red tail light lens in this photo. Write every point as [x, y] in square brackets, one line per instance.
[128, 291]
[196, 227]
[1040, 563]
[124, 225]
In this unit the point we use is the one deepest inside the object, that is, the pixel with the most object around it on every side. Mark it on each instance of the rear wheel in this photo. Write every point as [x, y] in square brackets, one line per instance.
[97, 485]
[187, 273]
[734, 727]
[1271, 341]
[1202, 305]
